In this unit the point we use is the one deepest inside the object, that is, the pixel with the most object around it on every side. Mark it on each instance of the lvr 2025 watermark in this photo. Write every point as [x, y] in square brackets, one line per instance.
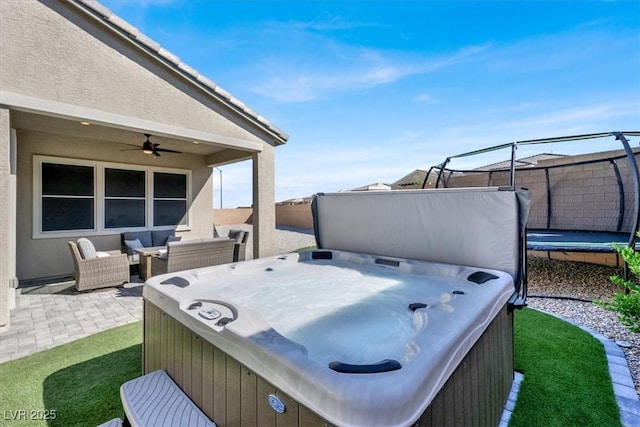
[29, 414]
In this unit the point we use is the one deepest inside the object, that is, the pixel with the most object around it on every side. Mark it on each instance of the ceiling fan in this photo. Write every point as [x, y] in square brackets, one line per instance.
[151, 148]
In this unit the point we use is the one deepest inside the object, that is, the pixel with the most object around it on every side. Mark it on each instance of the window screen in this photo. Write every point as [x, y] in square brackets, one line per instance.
[124, 201]
[169, 199]
[68, 198]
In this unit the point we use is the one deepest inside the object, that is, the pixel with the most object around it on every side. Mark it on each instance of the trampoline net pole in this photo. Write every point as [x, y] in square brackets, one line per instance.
[635, 174]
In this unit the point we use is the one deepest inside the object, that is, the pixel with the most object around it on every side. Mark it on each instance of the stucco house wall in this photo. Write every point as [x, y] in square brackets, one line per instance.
[72, 60]
[67, 62]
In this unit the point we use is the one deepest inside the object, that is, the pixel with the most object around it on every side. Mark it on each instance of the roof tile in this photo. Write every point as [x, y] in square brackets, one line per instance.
[123, 25]
[163, 53]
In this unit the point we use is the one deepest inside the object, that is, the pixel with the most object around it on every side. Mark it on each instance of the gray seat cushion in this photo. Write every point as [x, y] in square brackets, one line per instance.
[159, 237]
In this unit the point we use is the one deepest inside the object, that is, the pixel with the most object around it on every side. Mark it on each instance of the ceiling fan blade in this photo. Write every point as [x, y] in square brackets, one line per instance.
[137, 147]
[151, 148]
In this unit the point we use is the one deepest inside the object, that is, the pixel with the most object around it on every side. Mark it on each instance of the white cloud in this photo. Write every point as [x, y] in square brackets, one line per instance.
[291, 64]
[426, 98]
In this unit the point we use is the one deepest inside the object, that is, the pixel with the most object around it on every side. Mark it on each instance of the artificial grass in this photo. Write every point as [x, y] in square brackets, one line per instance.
[76, 383]
[566, 378]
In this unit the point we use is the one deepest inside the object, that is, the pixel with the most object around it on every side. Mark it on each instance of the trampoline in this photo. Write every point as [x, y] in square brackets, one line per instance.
[579, 204]
[576, 241]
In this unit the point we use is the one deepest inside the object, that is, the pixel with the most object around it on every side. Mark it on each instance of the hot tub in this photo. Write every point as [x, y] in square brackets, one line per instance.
[336, 337]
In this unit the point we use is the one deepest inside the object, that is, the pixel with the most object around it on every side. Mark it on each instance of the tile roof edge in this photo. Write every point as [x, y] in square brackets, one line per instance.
[153, 47]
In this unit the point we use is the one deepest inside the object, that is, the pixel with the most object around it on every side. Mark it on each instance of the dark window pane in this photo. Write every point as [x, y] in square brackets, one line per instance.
[169, 212]
[123, 183]
[67, 180]
[124, 213]
[59, 213]
[169, 186]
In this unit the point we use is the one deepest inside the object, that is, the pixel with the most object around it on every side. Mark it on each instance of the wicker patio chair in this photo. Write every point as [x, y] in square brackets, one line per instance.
[193, 254]
[99, 272]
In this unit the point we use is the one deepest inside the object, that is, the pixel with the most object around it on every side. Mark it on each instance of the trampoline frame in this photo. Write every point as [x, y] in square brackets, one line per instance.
[629, 155]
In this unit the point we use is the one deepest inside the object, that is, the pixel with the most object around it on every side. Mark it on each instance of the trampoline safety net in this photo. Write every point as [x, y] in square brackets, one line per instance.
[588, 195]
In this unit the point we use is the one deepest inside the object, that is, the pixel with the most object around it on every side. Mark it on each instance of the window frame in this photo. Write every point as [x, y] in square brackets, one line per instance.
[100, 197]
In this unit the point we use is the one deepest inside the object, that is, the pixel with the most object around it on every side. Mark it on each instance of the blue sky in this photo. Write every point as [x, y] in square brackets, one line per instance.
[368, 91]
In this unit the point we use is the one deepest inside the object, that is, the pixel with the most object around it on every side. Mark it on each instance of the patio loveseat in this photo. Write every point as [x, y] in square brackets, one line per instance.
[159, 238]
[131, 240]
[193, 254]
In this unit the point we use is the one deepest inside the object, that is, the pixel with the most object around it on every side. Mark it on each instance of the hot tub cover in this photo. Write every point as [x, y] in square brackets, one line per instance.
[480, 227]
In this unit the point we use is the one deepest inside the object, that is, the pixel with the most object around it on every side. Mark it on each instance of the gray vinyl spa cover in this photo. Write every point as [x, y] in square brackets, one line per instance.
[478, 227]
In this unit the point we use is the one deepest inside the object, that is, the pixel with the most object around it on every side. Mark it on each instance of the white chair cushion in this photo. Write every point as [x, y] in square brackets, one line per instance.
[87, 250]
[101, 254]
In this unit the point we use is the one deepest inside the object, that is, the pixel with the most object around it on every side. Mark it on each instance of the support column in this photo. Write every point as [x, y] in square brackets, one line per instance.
[264, 207]
[7, 219]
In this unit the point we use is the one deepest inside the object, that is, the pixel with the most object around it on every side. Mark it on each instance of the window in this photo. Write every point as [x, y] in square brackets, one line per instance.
[68, 198]
[72, 195]
[169, 199]
[124, 198]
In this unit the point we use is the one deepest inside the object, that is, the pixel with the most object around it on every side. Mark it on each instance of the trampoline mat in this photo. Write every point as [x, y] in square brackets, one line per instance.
[575, 241]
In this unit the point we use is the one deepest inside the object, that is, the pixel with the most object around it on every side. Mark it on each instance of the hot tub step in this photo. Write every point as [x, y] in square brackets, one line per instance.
[155, 400]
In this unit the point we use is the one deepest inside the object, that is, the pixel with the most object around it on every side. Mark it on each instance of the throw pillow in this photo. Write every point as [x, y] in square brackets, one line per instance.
[133, 244]
[87, 250]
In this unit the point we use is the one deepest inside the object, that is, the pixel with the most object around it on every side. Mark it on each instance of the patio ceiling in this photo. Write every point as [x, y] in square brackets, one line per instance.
[111, 134]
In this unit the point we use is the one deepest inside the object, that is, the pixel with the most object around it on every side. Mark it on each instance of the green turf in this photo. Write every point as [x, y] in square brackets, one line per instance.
[566, 379]
[78, 383]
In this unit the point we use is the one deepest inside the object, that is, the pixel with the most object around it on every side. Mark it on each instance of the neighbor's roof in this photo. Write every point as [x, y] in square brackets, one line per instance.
[373, 187]
[525, 162]
[130, 32]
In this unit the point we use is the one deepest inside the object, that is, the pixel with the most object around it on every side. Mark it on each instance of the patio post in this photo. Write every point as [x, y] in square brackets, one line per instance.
[264, 208]
[7, 217]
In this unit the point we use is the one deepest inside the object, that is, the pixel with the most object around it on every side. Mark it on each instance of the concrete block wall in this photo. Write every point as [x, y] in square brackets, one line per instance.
[297, 216]
[232, 216]
[583, 197]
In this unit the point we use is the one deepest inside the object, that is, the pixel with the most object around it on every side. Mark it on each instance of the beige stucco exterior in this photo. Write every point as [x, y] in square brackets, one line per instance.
[62, 63]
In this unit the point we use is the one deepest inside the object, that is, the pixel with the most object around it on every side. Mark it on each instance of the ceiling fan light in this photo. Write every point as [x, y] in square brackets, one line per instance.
[147, 148]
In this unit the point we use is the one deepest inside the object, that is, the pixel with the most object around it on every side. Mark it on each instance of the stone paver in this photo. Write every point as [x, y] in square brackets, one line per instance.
[44, 320]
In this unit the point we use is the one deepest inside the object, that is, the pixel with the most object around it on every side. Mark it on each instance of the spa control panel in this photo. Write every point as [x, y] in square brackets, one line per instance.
[215, 314]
